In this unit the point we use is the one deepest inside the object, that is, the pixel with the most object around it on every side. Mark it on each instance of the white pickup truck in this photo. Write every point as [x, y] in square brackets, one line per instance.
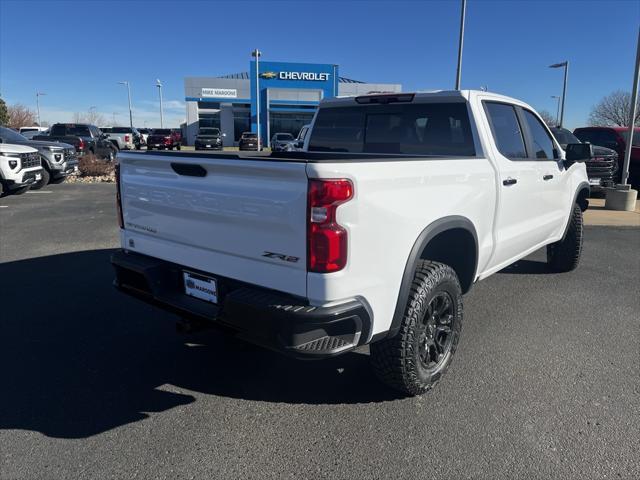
[399, 203]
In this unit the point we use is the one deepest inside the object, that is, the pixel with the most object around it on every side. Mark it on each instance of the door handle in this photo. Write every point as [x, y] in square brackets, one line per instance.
[509, 181]
[547, 177]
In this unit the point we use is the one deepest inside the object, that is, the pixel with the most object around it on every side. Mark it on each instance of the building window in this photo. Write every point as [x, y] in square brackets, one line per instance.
[280, 122]
[208, 120]
[241, 123]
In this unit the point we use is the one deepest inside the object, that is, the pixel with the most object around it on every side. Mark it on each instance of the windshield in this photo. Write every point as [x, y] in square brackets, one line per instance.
[209, 131]
[10, 136]
[564, 136]
[636, 137]
[161, 131]
[284, 136]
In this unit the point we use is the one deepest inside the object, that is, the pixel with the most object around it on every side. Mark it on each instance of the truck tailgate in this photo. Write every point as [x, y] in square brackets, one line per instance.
[238, 218]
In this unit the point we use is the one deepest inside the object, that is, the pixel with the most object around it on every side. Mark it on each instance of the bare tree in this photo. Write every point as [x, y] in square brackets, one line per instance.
[549, 119]
[91, 116]
[20, 116]
[613, 110]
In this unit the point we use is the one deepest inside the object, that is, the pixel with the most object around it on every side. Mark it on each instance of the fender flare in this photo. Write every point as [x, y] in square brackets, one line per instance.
[582, 186]
[429, 233]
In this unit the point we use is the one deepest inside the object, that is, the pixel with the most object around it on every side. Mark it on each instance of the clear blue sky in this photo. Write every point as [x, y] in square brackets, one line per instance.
[77, 51]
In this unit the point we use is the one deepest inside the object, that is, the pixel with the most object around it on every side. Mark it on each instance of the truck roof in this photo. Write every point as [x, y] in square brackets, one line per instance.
[423, 96]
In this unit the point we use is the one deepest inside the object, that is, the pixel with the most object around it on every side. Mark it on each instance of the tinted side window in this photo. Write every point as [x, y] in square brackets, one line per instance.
[506, 130]
[412, 129]
[58, 130]
[338, 130]
[543, 147]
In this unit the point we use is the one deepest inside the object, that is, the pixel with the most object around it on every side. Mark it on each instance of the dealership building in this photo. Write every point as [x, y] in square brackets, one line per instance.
[287, 94]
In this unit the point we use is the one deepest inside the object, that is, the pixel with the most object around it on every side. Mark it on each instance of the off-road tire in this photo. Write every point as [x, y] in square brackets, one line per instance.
[44, 181]
[396, 361]
[564, 255]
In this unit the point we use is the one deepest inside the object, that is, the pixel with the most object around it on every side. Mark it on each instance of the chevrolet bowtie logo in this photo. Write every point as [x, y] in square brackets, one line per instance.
[268, 75]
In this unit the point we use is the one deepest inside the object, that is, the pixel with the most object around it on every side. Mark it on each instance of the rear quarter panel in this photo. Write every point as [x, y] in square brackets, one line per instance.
[394, 201]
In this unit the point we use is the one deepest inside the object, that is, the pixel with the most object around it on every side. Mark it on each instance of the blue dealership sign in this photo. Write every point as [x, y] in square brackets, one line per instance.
[284, 75]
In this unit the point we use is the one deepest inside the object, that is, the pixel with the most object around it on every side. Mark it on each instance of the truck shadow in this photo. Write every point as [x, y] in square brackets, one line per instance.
[78, 358]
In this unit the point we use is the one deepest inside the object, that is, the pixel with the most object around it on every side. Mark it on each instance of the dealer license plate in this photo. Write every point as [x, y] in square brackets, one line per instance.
[38, 176]
[208, 146]
[199, 286]
[594, 181]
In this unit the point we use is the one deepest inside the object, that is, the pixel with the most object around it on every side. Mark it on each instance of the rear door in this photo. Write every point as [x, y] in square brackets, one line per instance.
[241, 219]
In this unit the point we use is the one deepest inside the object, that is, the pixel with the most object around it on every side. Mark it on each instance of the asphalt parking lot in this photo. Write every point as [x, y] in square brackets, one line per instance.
[545, 384]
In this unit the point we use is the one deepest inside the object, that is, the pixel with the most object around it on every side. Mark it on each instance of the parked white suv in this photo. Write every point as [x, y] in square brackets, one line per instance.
[370, 236]
[20, 168]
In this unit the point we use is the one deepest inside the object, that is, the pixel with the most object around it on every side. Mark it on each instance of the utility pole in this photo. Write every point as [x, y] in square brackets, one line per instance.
[564, 64]
[460, 44]
[632, 118]
[38, 95]
[159, 85]
[558, 109]
[129, 95]
[257, 53]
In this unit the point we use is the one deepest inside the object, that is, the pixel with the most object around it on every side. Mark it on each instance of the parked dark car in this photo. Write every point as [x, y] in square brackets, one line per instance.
[58, 159]
[208, 138]
[280, 141]
[602, 167]
[163, 138]
[87, 139]
[615, 138]
[248, 141]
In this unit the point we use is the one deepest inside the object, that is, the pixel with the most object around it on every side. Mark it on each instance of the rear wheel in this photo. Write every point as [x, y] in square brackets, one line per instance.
[178, 147]
[415, 359]
[44, 180]
[149, 148]
[564, 255]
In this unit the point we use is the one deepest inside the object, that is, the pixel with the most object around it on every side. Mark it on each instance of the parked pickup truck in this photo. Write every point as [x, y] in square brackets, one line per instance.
[87, 139]
[399, 204]
[124, 138]
[161, 138]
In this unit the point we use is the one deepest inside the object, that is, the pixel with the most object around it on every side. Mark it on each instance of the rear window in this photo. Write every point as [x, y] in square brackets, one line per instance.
[120, 130]
[413, 129]
[77, 130]
[284, 136]
[249, 135]
[161, 131]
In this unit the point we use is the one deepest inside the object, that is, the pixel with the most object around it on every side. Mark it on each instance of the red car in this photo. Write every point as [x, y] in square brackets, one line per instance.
[615, 138]
[161, 138]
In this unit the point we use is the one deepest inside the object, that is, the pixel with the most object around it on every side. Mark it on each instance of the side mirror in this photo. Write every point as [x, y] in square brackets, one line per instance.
[578, 152]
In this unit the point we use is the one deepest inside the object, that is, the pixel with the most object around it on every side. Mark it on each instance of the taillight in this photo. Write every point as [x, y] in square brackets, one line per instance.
[119, 197]
[326, 239]
[126, 138]
[81, 144]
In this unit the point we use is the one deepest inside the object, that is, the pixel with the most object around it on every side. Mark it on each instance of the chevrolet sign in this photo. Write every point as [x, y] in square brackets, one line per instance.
[308, 76]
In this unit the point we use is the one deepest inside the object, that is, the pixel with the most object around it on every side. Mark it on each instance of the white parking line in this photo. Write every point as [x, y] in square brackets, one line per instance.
[4, 206]
[41, 191]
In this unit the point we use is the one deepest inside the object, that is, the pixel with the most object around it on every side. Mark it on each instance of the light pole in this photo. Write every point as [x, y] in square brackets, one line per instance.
[564, 64]
[558, 109]
[159, 85]
[125, 82]
[257, 53]
[38, 95]
[460, 43]
[632, 119]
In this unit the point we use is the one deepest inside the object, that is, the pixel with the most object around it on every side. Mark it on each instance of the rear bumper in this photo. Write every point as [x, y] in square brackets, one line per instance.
[271, 319]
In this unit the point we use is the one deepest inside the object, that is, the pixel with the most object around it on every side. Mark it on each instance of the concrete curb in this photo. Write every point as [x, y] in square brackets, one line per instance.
[596, 214]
